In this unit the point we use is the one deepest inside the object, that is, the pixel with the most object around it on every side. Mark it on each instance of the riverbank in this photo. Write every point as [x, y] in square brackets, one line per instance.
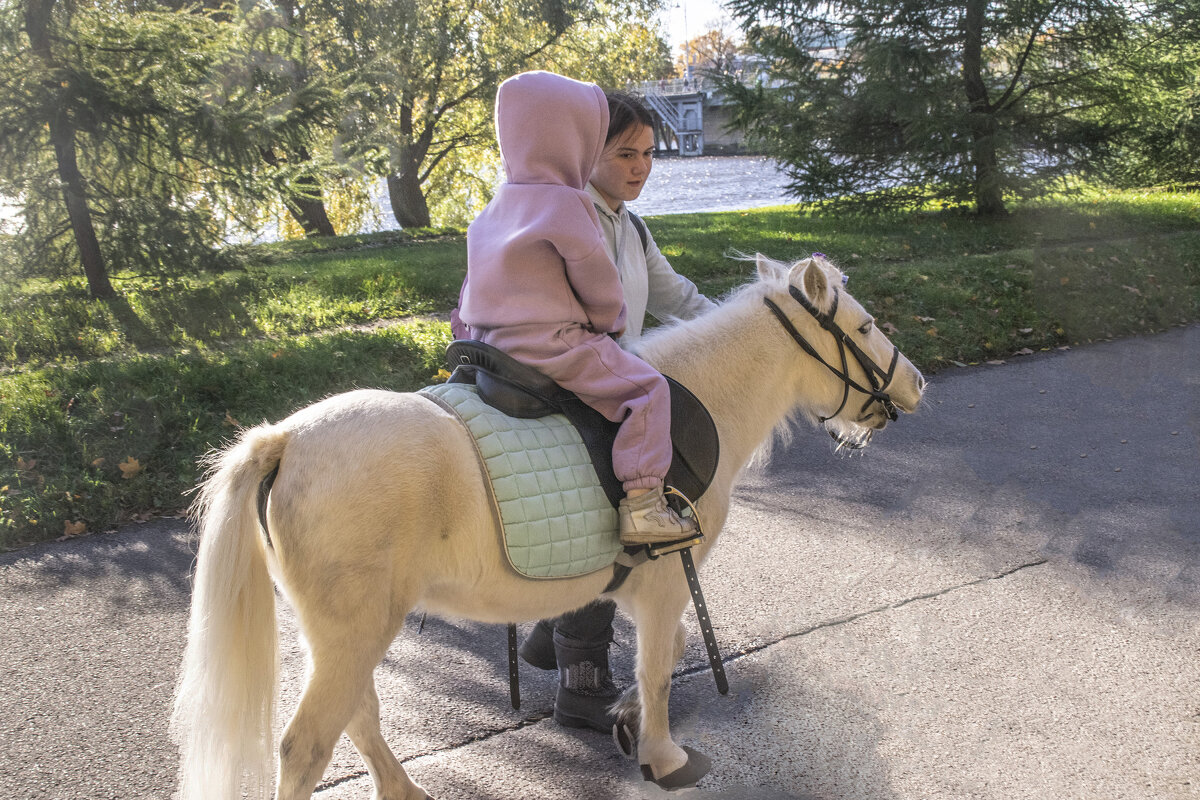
[107, 406]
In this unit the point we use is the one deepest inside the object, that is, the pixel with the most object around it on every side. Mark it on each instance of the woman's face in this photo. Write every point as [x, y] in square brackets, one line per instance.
[624, 166]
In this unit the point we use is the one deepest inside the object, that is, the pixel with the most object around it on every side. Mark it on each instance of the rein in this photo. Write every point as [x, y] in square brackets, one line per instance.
[878, 378]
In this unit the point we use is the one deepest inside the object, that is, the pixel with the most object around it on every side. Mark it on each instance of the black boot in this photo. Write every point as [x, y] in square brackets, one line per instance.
[538, 648]
[585, 686]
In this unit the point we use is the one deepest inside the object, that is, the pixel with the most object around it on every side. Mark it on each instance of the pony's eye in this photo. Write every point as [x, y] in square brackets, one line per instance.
[865, 328]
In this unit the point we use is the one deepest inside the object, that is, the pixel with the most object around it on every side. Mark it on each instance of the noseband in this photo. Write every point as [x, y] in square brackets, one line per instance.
[878, 378]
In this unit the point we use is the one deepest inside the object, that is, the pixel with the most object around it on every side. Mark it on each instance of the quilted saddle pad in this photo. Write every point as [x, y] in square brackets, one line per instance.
[556, 519]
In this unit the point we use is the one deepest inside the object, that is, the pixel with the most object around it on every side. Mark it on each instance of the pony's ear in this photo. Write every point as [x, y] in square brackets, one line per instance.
[768, 269]
[811, 279]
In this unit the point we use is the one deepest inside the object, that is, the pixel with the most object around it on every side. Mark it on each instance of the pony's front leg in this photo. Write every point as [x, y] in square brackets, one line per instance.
[657, 608]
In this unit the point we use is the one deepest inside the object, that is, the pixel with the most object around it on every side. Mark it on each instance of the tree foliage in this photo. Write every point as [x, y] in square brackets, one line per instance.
[429, 71]
[712, 52]
[139, 134]
[144, 126]
[962, 102]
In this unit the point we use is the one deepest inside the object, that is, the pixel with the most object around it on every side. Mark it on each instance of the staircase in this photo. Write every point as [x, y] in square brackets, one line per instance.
[690, 139]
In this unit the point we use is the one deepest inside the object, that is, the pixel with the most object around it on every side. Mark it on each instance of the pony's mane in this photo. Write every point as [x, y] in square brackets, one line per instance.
[752, 291]
[730, 306]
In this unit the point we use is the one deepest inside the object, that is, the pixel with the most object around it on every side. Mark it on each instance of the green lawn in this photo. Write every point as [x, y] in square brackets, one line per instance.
[106, 406]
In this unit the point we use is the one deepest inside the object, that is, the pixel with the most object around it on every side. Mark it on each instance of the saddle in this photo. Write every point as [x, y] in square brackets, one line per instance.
[521, 391]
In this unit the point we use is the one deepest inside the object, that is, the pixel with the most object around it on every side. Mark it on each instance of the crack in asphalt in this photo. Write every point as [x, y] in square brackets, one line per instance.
[847, 619]
[539, 716]
[529, 719]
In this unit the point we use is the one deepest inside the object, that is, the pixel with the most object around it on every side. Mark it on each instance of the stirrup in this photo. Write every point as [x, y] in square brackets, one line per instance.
[663, 548]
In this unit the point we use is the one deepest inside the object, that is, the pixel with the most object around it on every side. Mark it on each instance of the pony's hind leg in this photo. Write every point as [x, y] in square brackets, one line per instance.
[345, 648]
[390, 779]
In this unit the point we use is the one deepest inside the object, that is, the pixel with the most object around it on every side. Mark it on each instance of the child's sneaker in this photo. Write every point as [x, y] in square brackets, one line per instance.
[648, 519]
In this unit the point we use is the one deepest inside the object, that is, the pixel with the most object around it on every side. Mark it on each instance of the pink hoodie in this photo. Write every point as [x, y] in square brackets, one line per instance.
[535, 255]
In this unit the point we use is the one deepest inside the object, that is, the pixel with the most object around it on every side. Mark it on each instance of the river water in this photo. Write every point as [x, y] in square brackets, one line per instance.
[711, 183]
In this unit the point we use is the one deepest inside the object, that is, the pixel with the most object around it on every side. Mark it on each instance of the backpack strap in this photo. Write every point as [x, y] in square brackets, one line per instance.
[643, 234]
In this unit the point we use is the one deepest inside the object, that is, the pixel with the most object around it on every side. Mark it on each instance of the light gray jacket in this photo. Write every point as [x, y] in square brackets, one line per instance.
[649, 282]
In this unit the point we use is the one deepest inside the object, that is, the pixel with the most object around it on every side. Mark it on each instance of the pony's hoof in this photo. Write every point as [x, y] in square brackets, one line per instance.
[625, 740]
[688, 775]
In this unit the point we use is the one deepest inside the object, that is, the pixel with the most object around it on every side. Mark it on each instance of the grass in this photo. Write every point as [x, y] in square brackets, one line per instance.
[105, 407]
[289, 288]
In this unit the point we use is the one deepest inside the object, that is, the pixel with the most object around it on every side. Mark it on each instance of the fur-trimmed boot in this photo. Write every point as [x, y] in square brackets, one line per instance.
[585, 686]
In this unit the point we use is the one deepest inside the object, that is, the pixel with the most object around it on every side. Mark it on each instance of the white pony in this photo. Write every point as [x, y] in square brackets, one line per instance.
[379, 508]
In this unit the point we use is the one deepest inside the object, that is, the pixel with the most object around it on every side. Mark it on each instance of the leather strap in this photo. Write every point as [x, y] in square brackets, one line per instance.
[710, 638]
[514, 681]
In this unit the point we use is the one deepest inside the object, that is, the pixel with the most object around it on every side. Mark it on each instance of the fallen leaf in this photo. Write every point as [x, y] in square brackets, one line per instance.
[932, 331]
[230, 421]
[924, 319]
[888, 328]
[1132, 290]
[1024, 351]
[99, 462]
[26, 466]
[129, 467]
[74, 529]
[995, 362]
[1064, 280]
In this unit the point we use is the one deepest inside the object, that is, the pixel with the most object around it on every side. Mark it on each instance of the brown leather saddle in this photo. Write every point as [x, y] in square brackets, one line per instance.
[521, 391]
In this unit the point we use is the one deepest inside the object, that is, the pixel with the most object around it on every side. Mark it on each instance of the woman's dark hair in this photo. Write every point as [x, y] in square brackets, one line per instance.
[625, 111]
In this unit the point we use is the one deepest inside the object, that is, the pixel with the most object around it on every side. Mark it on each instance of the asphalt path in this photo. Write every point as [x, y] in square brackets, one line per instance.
[997, 600]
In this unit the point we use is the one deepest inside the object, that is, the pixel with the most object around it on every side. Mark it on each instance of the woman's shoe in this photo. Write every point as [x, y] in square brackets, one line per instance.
[538, 648]
[586, 690]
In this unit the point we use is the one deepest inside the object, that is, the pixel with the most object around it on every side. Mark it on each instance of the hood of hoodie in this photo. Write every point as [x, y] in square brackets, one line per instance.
[550, 128]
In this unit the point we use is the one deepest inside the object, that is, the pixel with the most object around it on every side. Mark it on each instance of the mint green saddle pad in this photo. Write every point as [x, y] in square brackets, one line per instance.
[557, 521]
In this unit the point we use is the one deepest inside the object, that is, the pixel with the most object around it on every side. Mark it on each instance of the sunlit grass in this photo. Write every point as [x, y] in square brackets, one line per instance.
[105, 440]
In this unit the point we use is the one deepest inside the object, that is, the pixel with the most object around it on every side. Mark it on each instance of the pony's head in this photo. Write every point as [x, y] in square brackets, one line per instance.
[865, 379]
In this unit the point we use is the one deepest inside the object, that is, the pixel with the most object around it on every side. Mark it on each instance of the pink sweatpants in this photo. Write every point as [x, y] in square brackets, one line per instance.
[615, 382]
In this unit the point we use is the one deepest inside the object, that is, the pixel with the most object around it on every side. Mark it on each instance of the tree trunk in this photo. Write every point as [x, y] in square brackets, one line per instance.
[75, 195]
[306, 206]
[989, 196]
[62, 136]
[310, 212]
[404, 185]
[408, 201]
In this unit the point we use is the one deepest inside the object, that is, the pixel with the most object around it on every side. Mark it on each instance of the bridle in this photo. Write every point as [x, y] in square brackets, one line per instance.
[878, 378]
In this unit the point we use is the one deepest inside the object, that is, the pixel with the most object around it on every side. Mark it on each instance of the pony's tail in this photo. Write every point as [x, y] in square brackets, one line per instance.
[225, 699]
